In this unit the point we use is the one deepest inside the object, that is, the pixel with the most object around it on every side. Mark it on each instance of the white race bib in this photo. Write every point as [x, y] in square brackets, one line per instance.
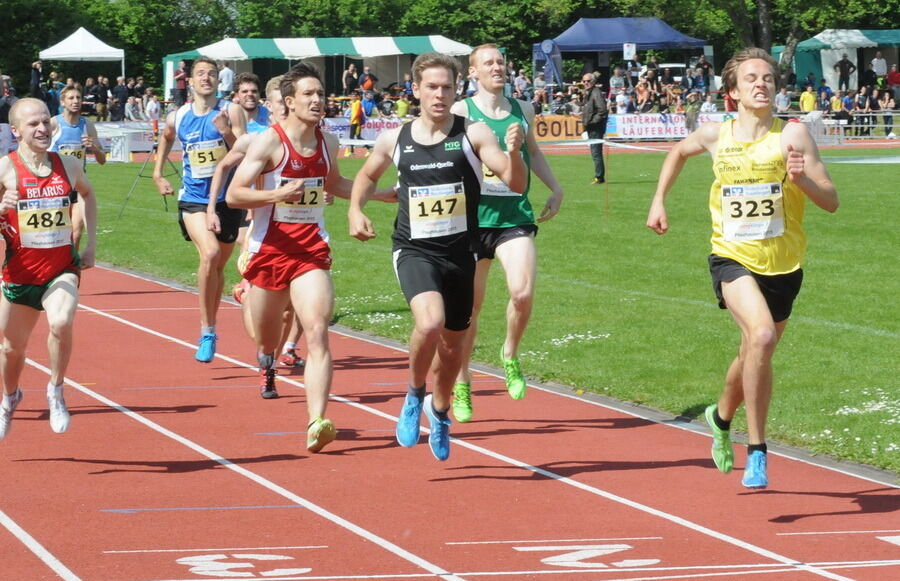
[76, 151]
[309, 209]
[45, 222]
[438, 210]
[752, 212]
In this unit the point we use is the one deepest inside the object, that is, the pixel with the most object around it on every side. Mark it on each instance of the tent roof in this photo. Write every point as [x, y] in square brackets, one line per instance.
[609, 34]
[850, 38]
[81, 45]
[235, 49]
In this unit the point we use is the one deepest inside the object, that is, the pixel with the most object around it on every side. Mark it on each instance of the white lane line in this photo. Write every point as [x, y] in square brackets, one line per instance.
[700, 571]
[281, 491]
[500, 457]
[552, 541]
[839, 533]
[229, 549]
[37, 548]
[628, 410]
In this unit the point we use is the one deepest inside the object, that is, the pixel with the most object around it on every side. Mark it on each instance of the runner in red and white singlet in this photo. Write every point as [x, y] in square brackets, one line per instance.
[289, 238]
[38, 229]
[37, 190]
[289, 247]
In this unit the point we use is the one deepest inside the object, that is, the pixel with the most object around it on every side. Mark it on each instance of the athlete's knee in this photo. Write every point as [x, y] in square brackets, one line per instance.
[316, 330]
[12, 350]
[429, 325]
[762, 339]
[522, 298]
[60, 324]
[210, 257]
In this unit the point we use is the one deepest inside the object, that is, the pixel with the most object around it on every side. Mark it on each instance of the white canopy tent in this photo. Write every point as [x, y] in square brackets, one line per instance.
[81, 45]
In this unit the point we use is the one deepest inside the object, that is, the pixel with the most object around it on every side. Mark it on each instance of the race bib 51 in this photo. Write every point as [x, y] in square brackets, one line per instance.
[203, 157]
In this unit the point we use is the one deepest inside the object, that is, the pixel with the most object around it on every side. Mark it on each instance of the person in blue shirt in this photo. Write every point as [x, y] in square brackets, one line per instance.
[75, 136]
[368, 103]
[205, 131]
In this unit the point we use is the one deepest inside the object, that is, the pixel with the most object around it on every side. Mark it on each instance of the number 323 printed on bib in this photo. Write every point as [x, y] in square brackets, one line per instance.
[752, 212]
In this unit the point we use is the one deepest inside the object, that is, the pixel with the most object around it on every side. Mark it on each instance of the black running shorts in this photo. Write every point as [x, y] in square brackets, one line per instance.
[779, 290]
[451, 276]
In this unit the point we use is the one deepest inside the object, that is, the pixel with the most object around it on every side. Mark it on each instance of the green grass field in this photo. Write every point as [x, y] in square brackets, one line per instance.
[629, 314]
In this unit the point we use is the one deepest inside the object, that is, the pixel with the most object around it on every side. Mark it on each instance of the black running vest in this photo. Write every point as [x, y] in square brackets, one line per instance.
[438, 193]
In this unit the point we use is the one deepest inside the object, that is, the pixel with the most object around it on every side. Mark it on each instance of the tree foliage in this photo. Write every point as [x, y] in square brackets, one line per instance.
[150, 29]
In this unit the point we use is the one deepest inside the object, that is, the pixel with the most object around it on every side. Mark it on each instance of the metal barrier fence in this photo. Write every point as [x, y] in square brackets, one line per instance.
[828, 130]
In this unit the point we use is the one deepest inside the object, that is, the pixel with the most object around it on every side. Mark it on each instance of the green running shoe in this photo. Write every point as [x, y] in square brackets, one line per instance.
[462, 402]
[515, 381]
[722, 450]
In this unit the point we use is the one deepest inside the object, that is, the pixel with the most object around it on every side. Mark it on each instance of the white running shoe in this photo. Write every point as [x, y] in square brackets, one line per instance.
[59, 415]
[7, 407]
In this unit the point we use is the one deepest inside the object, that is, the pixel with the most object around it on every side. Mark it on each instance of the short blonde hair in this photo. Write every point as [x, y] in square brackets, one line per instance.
[274, 84]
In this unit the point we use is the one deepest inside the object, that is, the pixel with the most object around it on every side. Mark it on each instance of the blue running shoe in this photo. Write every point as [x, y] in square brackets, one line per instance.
[439, 438]
[408, 424]
[207, 348]
[755, 472]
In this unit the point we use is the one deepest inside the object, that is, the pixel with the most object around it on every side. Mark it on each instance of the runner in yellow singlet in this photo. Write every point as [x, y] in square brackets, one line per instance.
[765, 169]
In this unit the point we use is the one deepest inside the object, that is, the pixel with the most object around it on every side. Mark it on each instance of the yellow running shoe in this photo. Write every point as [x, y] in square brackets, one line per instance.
[320, 433]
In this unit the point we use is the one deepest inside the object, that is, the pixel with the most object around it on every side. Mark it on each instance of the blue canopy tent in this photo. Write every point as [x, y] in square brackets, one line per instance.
[592, 35]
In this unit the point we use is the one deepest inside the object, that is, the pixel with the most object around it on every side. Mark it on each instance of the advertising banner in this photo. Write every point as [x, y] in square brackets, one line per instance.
[648, 126]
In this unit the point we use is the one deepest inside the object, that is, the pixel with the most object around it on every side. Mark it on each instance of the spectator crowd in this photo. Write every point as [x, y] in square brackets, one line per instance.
[631, 87]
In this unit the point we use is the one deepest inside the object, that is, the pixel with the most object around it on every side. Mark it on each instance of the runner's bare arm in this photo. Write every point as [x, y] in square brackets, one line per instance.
[542, 170]
[344, 185]
[238, 121]
[366, 181]
[166, 139]
[805, 167]
[80, 181]
[509, 168]
[259, 157]
[222, 122]
[704, 139]
[335, 183]
[8, 194]
[92, 143]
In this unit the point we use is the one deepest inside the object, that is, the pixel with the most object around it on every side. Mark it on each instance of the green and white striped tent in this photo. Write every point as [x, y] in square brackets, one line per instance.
[850, 39]
[362, 47]
[819, 54]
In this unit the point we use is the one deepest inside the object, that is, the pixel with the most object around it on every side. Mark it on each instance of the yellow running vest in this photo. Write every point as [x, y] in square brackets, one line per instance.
[757, 212]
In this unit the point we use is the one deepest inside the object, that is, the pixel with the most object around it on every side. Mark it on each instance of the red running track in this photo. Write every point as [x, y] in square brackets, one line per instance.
[173, 469]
